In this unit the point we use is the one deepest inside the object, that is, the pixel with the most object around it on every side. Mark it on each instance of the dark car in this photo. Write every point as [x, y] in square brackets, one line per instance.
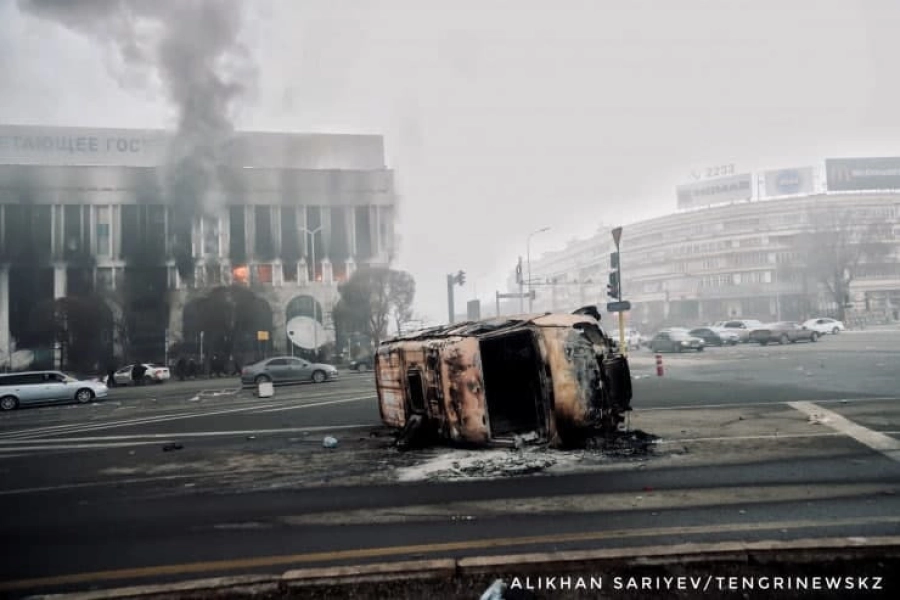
[782, 333]
[363, 363]
[712, 337]
[675, 340]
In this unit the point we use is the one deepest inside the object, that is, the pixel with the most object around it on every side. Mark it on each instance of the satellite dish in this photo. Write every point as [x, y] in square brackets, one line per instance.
[306, 333]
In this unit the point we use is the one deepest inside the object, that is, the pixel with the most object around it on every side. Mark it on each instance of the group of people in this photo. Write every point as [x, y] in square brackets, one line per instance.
[217, 367]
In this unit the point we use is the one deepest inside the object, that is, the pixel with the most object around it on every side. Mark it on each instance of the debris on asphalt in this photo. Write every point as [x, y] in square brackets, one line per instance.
[251, 437]
[329, 442]
[194, 399]
[496, 591]
[171, 447]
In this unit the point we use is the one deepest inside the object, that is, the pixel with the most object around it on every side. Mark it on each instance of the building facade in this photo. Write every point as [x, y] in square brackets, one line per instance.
[94, 214]
[758, 259]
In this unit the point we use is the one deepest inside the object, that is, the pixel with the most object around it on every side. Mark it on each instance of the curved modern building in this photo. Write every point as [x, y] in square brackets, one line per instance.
[767, 258]
[102, 225]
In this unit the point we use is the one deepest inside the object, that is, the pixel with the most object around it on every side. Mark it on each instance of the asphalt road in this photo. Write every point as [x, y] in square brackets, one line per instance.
[192, 479]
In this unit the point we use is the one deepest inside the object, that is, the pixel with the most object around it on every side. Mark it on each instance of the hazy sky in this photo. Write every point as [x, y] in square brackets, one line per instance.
[502, 117]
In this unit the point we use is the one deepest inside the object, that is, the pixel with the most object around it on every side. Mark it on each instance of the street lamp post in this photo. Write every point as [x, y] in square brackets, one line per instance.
[528, 260]
[312, 234]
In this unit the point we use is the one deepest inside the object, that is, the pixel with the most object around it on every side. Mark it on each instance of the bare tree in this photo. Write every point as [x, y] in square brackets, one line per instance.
[369, 298]
[835, 245]
[401, 296]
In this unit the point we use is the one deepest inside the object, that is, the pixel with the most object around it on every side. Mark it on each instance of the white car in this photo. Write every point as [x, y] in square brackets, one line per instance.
[152, 374]
[824, 325]
[633, 339]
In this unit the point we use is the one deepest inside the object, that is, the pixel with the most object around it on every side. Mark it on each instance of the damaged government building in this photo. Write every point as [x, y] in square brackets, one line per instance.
[98, 256]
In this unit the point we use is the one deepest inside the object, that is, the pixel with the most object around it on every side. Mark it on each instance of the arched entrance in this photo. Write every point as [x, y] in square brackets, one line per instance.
[225, 322]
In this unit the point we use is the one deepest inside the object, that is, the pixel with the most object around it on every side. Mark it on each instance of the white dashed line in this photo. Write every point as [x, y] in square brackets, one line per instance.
[880, 442]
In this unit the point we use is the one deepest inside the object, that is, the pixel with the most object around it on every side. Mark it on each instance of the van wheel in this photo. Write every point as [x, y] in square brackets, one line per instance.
[83, 396]
[9, 403]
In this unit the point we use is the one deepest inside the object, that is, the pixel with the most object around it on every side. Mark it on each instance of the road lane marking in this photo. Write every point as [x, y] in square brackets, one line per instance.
[388, 551]
[85, 427]
[17, 444]
[879, 442]
[166, 411]
[766, 403]
[258, 409]
[317, 404]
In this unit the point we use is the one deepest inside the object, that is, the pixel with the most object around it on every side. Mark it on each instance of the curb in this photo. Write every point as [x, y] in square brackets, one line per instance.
[760, 553]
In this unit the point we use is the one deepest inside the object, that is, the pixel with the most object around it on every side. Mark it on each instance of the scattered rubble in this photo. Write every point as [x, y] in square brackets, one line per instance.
[171, 447]
[329, 442]
[519, 460]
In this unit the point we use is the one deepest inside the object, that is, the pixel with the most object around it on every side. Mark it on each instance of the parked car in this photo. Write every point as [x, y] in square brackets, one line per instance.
[675, 340]
[824, 325]
[44, 387]
[783, 332]
[363, 363]
[283, 369]
[742, 327]
[152, 374]
[714, 336]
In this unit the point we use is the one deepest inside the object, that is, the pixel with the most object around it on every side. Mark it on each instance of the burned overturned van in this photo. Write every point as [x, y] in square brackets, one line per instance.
[553, 377]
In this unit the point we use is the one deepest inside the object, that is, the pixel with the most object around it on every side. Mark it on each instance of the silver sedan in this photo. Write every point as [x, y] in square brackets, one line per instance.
[282, 369]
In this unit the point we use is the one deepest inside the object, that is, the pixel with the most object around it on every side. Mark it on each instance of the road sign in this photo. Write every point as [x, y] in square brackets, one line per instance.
[617, 235]
[622, 306]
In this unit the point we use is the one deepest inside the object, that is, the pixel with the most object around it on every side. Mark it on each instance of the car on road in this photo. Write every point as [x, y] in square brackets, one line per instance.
[824, 325]
[633, 339]
[715, 336]
[44, 387]
[675, 340]
[783, 332]
[363, 363]
[152, 374]
[742, 327]
[284, 369]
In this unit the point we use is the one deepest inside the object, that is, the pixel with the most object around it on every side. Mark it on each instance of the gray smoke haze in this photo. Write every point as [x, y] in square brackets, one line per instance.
[192, 49]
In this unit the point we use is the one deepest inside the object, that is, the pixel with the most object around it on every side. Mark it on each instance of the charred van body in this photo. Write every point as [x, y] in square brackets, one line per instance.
[552, 377]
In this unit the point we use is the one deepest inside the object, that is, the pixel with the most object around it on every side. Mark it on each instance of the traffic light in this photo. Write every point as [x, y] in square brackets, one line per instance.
[614, 260]
[612, 288]
[461, 278]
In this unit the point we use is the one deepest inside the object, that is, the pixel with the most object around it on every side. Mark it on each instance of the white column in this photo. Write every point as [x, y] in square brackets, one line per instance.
[59, 282]
[327, 271]
[4, 316]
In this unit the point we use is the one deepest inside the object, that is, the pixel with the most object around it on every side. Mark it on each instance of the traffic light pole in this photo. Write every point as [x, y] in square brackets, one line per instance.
[450, 311]
[622, 346]
[617, 236]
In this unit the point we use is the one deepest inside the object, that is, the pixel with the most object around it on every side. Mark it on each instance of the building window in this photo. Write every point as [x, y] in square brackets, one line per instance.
[210, 229]
[240, 274]
[213, 275]
[289, 271]
[264, 274]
